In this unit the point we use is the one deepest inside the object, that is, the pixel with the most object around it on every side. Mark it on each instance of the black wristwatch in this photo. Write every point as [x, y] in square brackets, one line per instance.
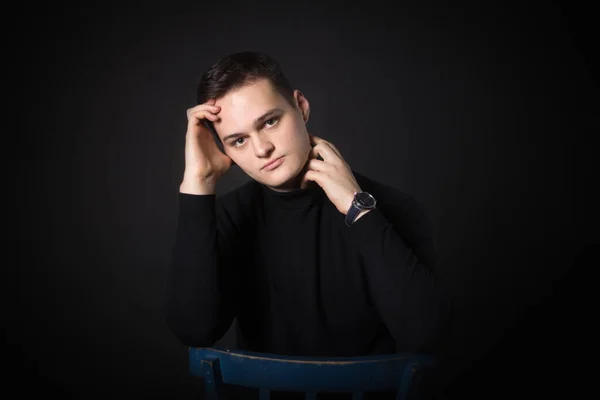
[361, 201]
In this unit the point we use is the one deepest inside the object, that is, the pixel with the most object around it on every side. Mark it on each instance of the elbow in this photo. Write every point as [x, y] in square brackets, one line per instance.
[434, 327]
[197, 332]
[192, 335]
[194, 340]
[422, 330]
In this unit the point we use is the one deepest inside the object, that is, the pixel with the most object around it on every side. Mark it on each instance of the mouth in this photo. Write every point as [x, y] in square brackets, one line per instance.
[273, 164]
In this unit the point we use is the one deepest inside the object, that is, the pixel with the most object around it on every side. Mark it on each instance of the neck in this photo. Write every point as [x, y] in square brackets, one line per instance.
[296, 183]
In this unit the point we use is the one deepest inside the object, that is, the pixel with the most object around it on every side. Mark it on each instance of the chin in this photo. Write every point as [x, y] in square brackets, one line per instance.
[282, 179]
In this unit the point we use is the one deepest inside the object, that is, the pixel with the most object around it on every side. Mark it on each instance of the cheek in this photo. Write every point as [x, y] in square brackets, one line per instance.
[303, 141]
[298, 136]
[234, 157]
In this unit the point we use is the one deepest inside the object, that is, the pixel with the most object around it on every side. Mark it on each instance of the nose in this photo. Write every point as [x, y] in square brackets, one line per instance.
[263, 147]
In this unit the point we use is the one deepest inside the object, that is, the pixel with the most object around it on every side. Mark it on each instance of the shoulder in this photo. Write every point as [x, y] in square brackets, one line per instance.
[388, 196]
[238, 202]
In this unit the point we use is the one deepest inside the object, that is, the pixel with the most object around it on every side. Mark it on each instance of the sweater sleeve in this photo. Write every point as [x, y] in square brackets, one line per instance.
[201, 301]
[397, 251]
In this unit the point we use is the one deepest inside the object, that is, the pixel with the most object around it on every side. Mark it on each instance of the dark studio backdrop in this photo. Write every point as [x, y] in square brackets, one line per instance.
[480, 112]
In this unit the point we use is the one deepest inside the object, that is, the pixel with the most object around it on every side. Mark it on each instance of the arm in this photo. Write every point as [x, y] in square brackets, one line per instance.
[200, 297]
[396, 247]
[400, 275]
[202, 286]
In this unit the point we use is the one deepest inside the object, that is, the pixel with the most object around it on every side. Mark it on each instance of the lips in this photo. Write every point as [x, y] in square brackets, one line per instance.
[272, 162]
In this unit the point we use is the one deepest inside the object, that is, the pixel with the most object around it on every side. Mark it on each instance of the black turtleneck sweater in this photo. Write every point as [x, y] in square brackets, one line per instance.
[298, 280]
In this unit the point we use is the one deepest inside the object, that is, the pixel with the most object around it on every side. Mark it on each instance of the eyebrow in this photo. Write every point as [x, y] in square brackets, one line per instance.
[258, 121]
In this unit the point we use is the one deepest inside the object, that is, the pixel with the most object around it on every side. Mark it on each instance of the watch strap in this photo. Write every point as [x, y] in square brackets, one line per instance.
[351, 215]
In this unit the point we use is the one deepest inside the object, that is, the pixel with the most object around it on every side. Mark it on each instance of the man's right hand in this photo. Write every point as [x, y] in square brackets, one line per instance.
[205, 163]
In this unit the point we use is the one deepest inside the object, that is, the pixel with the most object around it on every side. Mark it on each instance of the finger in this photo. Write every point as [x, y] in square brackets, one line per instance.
[195, 119]
[314, 154]
[199, 114]
[327, 153]
[211, 116]
[320, 166]
[203, 107]
[315, 140]
[311, 175]
[335, 149]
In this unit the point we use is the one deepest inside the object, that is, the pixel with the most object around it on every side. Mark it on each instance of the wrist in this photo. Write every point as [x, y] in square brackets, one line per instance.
[198, 185]
[363, 203]
[361, 214]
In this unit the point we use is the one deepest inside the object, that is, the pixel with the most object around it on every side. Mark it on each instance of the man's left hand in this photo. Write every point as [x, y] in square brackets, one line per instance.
[332, 174]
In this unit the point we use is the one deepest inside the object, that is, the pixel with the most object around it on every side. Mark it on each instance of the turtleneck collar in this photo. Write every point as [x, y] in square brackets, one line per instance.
[299, 199]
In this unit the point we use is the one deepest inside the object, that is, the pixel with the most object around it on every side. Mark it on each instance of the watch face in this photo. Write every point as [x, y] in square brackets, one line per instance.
[365, 200]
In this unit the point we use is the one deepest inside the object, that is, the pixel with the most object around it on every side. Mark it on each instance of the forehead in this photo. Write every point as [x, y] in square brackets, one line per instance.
[241, 106]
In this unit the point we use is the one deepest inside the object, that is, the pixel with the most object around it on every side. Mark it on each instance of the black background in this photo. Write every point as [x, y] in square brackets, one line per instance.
[485, 113]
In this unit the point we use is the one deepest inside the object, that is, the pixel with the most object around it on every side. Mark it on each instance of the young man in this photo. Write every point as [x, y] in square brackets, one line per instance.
[311, 257]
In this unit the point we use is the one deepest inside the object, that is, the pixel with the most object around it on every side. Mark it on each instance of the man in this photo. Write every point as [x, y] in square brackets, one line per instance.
[311, 257]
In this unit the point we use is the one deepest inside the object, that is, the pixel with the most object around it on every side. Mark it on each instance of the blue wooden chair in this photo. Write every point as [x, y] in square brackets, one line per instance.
[311, 375]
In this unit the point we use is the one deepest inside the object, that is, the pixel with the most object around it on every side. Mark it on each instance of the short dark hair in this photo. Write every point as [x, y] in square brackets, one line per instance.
[239, 69]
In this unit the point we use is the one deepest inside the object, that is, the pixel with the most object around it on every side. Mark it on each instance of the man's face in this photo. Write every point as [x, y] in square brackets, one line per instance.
[265, 127]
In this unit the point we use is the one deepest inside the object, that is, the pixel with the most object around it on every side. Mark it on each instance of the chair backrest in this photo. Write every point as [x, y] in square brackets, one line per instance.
[311, 375]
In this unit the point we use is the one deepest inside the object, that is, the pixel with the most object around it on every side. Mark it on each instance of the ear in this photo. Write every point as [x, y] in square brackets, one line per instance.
[303, 105]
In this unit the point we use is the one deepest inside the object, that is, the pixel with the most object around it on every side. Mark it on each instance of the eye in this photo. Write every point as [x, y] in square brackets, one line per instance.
[272, 121]
[236, 143]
